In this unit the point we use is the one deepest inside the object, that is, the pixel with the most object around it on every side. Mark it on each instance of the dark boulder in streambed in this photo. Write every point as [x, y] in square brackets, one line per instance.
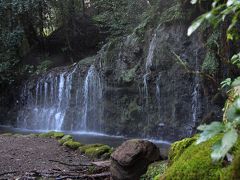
[130, 160]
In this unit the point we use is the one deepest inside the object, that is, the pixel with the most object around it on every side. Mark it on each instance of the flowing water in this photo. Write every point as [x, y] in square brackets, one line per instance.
[196, 95]
[92, 104]
[148, 65]
[53, 104]
[158, 94]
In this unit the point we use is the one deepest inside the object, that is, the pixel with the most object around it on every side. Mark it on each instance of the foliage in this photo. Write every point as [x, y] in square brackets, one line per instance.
[43, 67]
[222, 10]
[118, 17]
[23, 25]
[236, 60]
[210, 63]
[174, 13]
[111, 15]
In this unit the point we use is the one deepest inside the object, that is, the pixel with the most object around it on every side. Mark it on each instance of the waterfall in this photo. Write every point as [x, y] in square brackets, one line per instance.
[92, 103]
[148, 65]
[158, 94]
[151, 50]
[196, 95]
[51, 103]
[45, 106]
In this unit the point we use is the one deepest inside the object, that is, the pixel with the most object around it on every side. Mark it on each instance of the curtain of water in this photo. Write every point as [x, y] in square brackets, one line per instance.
[92, 103]
[53, 104]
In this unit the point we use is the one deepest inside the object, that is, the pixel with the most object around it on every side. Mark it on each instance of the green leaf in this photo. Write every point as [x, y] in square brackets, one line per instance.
[227, 82]
[194, 1]
[236, 82]
[233, 111]
[196, 24]
[202, 127]
[209, 131]
[228, 141]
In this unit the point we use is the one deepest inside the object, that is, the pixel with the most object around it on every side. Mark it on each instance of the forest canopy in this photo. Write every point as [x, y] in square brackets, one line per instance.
[26, 24]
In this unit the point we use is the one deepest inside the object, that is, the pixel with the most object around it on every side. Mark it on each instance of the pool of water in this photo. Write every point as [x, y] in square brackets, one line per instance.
[90, 137]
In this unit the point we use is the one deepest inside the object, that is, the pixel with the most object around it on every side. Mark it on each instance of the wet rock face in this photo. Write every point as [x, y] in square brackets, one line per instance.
[131, 159]
[160, 106]
[148, 91]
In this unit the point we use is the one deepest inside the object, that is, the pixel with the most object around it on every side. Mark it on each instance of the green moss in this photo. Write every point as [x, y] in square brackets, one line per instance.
[174, 13]
[213, 40]
[155, 170]
[106, 156]
[87, 61]
[157, 177]
[96, 150]
[236, 166]
[47, 135]
[72, 144]
[179, 147]
[211, 63]
[58, 135]
[85, 147]
[128, 75]
[52, 134]
[7, 134]
[65, 139]
[194, 162]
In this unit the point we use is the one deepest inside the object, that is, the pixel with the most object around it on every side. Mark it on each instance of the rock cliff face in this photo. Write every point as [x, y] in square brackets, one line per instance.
[148, 85]
[150, 90]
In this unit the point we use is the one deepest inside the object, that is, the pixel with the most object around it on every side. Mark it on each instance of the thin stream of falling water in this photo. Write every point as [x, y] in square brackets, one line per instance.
[158, 94]
[148, 65]
[196, 94]
[92, 104]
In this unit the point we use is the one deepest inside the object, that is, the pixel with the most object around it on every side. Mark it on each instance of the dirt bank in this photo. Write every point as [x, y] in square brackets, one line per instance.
[28, 157]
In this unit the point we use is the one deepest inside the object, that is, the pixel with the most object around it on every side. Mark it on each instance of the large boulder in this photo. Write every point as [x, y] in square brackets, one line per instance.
[131, 159]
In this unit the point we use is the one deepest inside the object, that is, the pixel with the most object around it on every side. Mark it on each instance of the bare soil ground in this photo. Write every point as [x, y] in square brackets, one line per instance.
[28, 157]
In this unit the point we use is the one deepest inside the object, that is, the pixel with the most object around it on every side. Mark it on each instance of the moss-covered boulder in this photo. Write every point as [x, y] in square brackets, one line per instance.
[155, 170]
[52, 134]
[65, 138]
[96, 150]
[47, 135]
[189, 161]
[58, 135]
[72, 144]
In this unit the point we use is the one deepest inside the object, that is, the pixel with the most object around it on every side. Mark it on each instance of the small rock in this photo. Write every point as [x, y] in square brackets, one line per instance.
[131, 159]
